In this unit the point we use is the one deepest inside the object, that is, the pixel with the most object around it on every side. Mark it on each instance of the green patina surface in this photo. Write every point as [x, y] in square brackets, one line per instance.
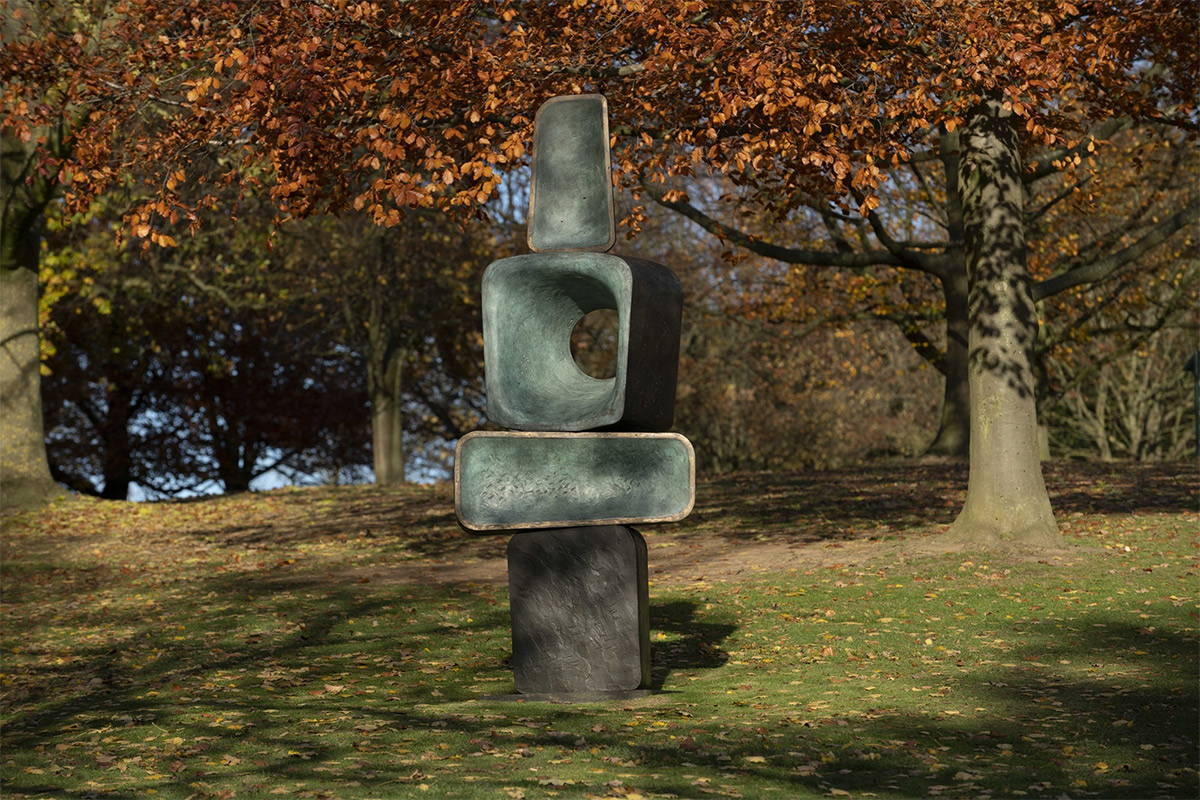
[532, 302]
[513, 480]
[571, 206]
[530, 305]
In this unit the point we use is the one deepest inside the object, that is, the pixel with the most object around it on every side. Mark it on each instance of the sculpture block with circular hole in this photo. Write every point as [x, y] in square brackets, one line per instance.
[531, 303]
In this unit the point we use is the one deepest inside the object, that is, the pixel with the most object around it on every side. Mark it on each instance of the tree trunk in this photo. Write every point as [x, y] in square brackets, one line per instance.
[387, 418]
[954, 429]
[1007, 505]
[114, 437]
[24, 471]
[236, 462]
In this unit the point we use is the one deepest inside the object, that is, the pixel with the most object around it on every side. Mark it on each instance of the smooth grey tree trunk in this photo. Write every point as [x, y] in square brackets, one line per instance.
[24, 471]
[387, 419]
[24, 193]
[1007, 505]
[954, 427]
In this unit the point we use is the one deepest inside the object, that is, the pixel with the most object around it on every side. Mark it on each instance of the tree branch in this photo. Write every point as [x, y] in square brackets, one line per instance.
[1052, 202]
[1104, 267]
[788, 255]
[921, 343]
[1044, 165]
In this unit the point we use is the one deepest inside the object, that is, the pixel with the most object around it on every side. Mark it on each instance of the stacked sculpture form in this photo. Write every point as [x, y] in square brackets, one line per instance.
[577, 575]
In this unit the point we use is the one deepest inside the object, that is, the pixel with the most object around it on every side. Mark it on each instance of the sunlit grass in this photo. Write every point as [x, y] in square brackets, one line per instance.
[148, 656]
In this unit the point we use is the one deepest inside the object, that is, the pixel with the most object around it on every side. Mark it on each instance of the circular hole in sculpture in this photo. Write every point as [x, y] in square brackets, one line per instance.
[594, 343]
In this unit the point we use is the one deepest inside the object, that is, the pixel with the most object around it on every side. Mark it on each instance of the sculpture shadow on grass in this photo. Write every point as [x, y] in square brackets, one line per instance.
[1037, 724]
[690, 642]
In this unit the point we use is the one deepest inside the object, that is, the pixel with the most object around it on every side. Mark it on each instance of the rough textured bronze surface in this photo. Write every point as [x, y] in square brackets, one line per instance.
[531, 303]
[510, 481]
[569, 697]
[570, 202]
[580, 611]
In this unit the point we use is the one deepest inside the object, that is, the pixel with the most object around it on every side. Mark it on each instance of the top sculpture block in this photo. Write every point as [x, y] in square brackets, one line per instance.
[571, 202]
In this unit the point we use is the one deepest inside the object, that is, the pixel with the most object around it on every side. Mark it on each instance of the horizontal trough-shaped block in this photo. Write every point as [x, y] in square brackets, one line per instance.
[531, 303]
[512, 481]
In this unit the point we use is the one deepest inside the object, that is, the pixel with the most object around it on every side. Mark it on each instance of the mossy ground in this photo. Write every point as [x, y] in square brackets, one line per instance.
[340, 643]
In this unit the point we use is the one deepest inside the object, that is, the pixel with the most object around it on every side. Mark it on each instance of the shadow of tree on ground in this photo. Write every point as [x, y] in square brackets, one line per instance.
[879, 500]
[863, 502]
[296, 697]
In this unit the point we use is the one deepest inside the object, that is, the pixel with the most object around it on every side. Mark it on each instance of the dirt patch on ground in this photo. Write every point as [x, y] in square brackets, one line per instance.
[743, 525]
[675, 563]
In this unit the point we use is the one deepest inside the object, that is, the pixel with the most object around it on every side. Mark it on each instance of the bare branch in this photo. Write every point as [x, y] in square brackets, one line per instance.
[788, 255]
[1102, 268]
[1063, 195]
[921, 343]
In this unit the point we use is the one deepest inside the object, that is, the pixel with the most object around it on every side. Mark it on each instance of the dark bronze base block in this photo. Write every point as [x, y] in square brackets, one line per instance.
[578, 697]
[580, 611]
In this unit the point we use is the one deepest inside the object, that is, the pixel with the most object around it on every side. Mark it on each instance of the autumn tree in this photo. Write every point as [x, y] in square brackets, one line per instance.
[38, 124]
[99, 359]
[28, 183]
[387, 105]
[777, 370]
[1108, 210]
[1104, 344]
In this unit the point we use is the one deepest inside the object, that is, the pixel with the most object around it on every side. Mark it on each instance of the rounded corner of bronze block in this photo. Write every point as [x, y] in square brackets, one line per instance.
[457, 477]
[687, 512]
[471, 528]
[566, 98]
[490, 270]
[605, 247]
[458, 446]
[533, 248]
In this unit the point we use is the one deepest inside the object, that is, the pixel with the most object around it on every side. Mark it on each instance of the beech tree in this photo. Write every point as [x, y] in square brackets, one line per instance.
[386, 105]
[920, 220]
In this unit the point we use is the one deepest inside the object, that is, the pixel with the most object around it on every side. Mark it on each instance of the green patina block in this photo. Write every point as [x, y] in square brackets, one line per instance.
[507, 480]
[531, 304]
[570, 203]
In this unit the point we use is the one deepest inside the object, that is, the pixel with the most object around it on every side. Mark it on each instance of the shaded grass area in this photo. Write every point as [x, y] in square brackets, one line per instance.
[185, 650]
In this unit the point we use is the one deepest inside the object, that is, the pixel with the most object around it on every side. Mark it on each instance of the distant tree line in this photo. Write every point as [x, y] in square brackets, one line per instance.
[330, 350]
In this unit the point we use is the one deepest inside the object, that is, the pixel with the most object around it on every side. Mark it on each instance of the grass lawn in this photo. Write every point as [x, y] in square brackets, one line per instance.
[809, 641]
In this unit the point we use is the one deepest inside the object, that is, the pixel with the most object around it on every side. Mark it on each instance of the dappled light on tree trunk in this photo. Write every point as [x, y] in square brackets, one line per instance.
[1007, 504]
